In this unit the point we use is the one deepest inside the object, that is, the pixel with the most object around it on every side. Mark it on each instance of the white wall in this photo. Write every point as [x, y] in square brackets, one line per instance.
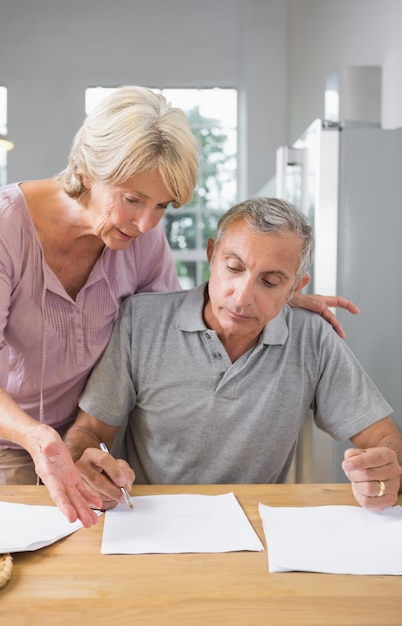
[277, 53]
[325, 35]
[51, 50]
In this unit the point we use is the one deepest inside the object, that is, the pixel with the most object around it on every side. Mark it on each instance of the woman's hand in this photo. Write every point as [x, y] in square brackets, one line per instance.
[320, 304]
[56, 469]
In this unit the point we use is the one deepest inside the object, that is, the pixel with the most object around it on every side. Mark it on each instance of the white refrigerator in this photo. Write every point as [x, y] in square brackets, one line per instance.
[347, 177]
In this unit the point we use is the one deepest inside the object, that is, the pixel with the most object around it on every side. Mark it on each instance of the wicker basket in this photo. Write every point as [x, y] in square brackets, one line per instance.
[6, 568]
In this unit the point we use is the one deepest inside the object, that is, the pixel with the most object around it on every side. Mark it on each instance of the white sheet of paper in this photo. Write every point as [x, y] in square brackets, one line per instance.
[26, 527]
[333, 539]
[179, 523]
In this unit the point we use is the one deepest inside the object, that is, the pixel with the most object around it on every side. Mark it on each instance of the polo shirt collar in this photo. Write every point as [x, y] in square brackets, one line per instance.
[190, 313]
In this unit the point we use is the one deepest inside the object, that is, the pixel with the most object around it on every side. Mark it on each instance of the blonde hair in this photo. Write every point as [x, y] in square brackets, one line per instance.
[134, 130]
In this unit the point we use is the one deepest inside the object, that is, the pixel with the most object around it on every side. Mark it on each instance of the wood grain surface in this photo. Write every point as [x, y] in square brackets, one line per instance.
[72, 583]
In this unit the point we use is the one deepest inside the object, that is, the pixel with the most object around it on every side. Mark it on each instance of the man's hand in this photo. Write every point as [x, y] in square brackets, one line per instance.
[105, 476]
[56, 469]
[375, 475]
[320, 304]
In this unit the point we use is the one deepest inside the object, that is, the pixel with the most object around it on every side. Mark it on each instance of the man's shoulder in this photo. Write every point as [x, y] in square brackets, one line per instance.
[153, 300]
[301, 316]
[298, 320]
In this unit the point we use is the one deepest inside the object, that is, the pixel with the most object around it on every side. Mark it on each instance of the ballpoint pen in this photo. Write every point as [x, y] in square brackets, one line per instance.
[124, 491]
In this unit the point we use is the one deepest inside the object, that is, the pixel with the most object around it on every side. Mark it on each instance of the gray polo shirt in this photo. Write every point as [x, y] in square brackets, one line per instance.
[196, 417]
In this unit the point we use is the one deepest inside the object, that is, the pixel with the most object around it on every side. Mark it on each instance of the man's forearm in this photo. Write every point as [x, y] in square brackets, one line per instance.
[78, 439]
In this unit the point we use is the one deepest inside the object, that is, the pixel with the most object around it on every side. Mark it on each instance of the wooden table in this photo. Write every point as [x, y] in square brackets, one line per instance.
[71, 583]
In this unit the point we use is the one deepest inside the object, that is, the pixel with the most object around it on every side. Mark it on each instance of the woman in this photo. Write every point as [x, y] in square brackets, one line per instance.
[70, 252]
[72, 248]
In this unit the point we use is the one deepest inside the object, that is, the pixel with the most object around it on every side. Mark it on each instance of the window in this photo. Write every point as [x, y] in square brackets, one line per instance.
[212, 113]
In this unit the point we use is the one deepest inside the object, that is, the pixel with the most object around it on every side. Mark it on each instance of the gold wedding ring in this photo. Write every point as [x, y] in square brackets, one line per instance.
[381, 489]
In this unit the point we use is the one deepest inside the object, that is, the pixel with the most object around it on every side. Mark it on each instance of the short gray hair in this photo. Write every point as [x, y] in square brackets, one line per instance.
[272, 215]
[131, 131]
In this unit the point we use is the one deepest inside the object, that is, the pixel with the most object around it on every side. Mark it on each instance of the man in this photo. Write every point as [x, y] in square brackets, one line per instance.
[216, 382]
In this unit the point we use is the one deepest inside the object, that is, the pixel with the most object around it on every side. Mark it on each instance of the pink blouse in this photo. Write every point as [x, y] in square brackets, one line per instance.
[49, 343]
